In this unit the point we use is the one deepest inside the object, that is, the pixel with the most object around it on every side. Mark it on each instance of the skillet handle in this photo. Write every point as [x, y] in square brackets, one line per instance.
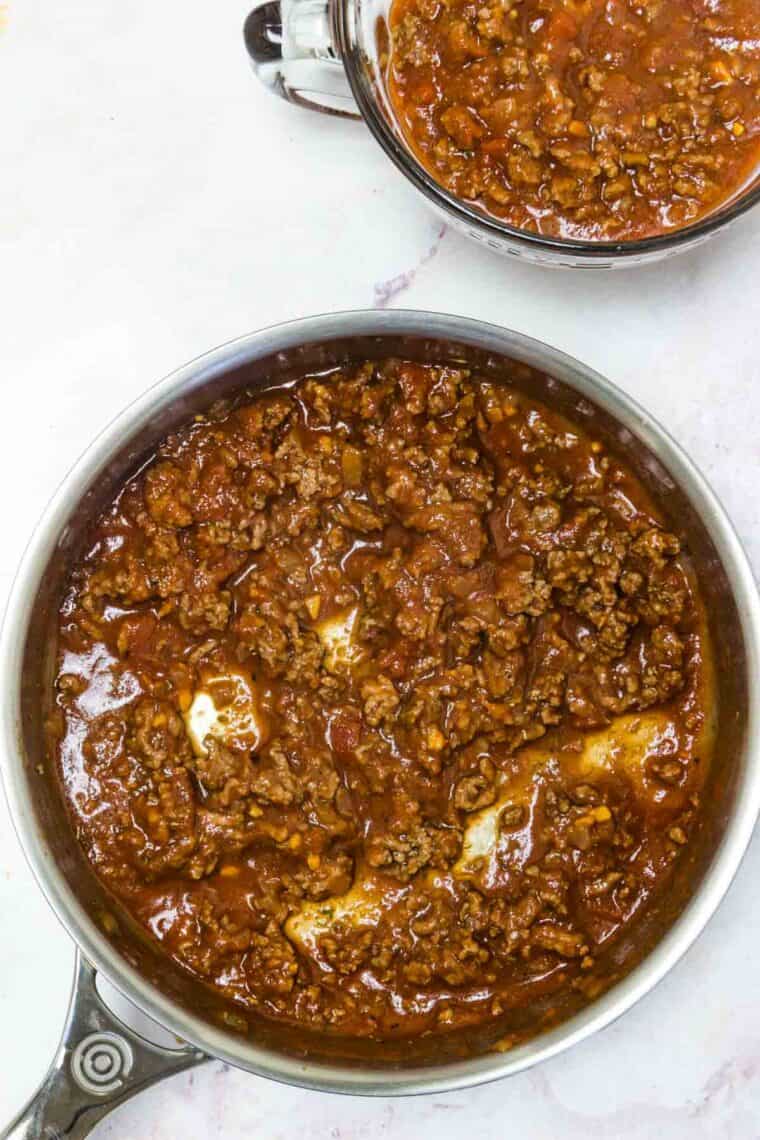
[99, 1064]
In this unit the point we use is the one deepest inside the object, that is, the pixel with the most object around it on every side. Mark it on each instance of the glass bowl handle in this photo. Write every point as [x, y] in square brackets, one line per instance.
[292, 51]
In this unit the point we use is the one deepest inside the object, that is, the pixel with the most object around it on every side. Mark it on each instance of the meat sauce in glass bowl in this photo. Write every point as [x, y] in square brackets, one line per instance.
[384, 702]
[599, 120]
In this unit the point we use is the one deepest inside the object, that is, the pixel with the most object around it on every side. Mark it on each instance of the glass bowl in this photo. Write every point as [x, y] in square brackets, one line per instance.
[323, 54]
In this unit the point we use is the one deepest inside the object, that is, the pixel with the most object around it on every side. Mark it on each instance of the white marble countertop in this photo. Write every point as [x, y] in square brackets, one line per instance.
[154, 202]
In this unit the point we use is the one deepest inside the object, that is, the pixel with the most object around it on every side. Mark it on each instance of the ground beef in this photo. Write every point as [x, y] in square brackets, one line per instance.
[592, 121]
[426, 589]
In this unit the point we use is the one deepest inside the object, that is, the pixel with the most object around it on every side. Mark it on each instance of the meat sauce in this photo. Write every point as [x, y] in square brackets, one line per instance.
[383, 701]
[586, 119]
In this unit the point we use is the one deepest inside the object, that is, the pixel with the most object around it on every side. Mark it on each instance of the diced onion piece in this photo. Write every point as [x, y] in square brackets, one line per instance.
[338, 636]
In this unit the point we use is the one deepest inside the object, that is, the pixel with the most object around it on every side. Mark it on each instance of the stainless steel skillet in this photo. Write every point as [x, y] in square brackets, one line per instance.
[100, 1061]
